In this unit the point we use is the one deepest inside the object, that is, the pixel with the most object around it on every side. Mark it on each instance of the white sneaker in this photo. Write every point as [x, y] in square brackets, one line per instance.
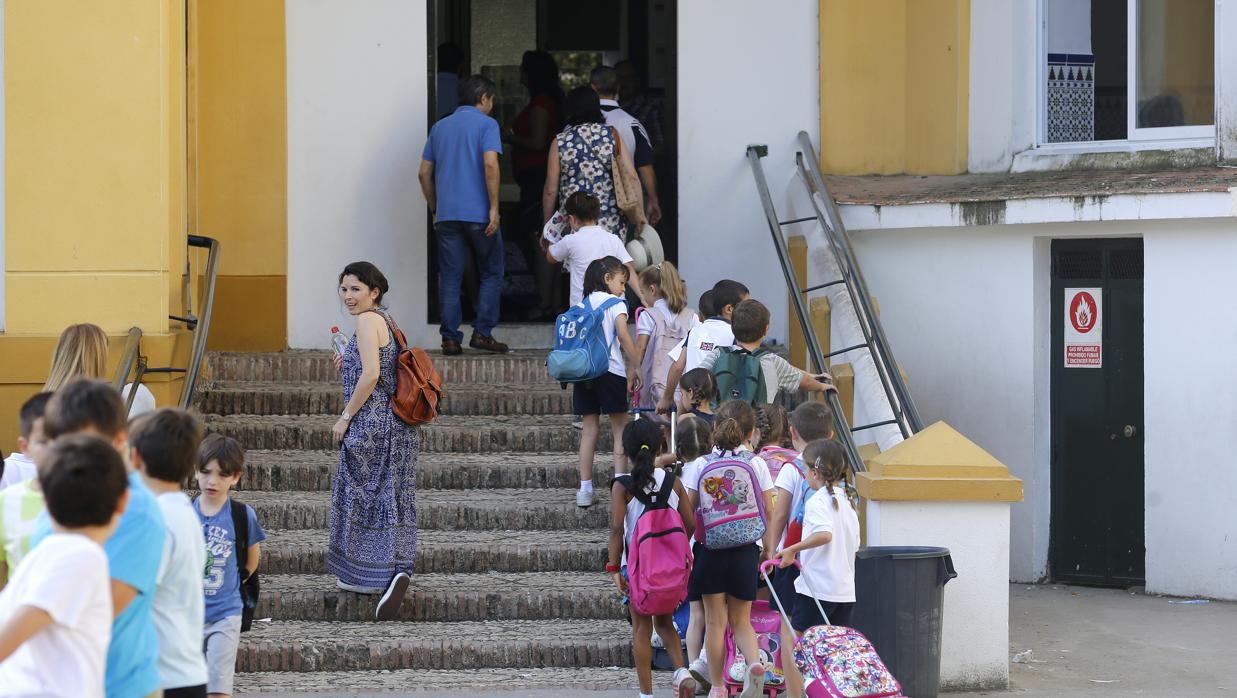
[753, 682]
[586, 499]
[684, 685]
[700, 671]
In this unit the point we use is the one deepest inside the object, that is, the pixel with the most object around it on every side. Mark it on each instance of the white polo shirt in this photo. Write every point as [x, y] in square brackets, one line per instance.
[711, 334]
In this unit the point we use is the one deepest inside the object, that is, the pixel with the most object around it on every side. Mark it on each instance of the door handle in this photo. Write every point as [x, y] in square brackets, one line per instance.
[1130, 431]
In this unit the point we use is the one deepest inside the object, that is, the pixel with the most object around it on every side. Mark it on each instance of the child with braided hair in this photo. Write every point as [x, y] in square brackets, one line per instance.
[698, 390]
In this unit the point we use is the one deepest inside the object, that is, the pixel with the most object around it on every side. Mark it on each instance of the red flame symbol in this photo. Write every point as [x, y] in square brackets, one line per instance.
[1082, 312]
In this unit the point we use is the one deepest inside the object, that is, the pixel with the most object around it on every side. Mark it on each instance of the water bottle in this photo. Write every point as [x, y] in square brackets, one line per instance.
[338, 341]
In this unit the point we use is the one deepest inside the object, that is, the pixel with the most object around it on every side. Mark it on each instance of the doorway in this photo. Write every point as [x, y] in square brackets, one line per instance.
[491, 37]
[1097, 529]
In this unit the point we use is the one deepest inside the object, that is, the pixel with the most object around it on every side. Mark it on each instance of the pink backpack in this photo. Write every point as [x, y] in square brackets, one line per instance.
[731, 512]
[659, 558]
[839, 662]
[775, 457]
[656, 365]
[768, 626]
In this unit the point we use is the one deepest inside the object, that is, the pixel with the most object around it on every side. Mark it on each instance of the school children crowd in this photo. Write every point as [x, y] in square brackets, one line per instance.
[115, 583]
[712, 478]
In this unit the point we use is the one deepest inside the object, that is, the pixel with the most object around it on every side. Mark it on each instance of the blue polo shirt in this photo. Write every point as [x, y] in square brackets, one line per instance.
[133, 555]
[457, 146]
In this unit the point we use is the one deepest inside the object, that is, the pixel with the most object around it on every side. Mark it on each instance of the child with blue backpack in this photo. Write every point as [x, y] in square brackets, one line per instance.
[599, 391]
[731, 491]
[650, 525]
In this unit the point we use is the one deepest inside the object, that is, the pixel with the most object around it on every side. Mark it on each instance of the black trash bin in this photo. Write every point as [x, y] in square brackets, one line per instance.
[899, 597]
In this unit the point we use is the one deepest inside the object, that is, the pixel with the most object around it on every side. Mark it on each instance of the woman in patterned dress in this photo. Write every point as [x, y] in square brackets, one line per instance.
[373, 539]
[581, 161]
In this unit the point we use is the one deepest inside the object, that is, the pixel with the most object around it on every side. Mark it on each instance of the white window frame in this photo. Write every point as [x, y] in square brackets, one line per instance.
[1162, 138]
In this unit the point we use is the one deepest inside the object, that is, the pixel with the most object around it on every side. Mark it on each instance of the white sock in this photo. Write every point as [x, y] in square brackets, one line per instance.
[586, 485]
[646, 695]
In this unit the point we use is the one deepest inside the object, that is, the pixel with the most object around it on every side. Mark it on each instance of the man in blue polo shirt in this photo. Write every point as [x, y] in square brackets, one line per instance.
[459, 177]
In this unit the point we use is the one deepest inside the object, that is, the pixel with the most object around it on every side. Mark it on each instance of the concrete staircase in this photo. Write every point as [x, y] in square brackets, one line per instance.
[508, 591]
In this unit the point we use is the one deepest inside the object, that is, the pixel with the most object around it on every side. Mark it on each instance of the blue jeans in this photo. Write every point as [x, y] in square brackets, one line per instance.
[455, 238]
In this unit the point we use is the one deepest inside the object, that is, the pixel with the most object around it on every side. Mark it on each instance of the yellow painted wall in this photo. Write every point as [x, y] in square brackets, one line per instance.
[894, 86]
[238, 164]
[95, 183]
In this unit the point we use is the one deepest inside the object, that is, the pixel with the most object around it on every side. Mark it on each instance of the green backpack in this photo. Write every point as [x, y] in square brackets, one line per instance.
[740, 376]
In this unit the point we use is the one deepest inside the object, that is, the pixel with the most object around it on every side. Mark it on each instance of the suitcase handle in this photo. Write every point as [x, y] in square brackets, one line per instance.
[764, 572]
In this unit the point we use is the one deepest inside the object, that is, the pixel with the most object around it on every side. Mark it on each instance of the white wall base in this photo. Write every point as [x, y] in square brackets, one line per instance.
[975, 622]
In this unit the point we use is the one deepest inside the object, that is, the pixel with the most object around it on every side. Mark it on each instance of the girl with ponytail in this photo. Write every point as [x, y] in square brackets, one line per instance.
[725, 578]
[643, 443]
[660, 327]
[830, 540]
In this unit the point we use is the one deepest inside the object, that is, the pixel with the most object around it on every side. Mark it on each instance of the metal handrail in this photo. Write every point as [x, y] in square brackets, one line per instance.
[896, 391]
[815, 353]
[201, 324]
[131, 361]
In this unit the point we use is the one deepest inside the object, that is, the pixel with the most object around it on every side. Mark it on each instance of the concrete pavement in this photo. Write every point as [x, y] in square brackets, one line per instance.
[1084, 642]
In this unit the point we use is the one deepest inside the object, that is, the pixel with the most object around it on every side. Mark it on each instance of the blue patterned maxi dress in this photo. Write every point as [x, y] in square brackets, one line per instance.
[373, 498]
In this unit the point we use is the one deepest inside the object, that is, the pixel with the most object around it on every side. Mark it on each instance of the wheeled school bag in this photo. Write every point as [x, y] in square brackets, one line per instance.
[659, 559]
[656, 365]
[732, 509]
[768, 626]
[740, 376]
[581, 352]
[836, 661]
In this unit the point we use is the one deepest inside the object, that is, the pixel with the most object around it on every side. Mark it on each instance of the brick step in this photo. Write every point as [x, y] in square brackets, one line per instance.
[524, 433]
[474, 682]
[448, 598]
[321, 646]
[287, 398]
[313, 470]
[455, 551]
[472, 510]
[300, 365]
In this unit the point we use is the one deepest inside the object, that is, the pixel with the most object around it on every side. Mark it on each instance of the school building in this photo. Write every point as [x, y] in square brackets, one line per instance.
[1036, 190]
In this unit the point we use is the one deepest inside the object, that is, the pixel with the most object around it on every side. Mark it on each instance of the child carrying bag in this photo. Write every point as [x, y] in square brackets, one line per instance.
[581, 352]
[740, 376]
[659, 560]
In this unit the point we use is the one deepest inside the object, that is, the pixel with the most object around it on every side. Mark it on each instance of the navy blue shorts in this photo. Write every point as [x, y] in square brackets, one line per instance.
[604, 395]
[784, 586]
[806, 615]
[732, 571]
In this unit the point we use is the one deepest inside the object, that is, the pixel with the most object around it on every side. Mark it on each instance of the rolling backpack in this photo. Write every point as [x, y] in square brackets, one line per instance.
[581, 352]
[740, 376]
[732, 509]
[250, 586]
[768, 627]
[659, 559]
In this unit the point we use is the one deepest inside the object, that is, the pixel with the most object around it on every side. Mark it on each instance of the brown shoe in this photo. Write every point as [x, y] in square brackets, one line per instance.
[450, 347]
[487, 344]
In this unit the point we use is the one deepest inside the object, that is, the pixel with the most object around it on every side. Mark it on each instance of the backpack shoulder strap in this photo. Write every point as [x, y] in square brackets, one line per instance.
[240, 525]
[610, 303]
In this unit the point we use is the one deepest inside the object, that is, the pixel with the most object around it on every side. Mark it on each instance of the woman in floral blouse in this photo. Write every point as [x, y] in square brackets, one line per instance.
[581, 161]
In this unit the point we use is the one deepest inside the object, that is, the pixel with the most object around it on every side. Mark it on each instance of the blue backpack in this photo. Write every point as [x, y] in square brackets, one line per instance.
[581, 352]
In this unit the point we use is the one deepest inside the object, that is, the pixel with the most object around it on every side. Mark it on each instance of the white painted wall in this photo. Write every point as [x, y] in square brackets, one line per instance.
[748, 73]
[975, 616]
[967, 314]
[356, 124]
[2, 183]
[1003, 73]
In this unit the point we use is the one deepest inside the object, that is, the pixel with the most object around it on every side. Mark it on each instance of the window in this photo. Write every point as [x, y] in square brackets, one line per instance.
[1126, 70]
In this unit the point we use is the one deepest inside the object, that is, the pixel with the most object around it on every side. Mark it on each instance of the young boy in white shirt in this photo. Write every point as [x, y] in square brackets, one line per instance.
[56, 612]
[163, 448]
[587, 243]
[713, 333]
[19, 466]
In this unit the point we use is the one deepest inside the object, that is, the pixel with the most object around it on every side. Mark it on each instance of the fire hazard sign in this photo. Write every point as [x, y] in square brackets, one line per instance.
[1084, 339]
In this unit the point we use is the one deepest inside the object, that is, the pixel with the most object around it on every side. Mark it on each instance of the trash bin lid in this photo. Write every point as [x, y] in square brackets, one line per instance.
[901, 552]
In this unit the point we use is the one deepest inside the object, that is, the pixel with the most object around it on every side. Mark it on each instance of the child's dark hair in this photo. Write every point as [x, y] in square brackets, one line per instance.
[813, 420]
[82, 478]
[223, 450]
[734, 422]
[727, 292]
[167, 440]
[692, 438]
[774, 429]
[828, 458]
[583, 206]
[85, 403]
[32, 411]
[700, 385]
[642, 442]
[598, 270]
[369, 276]
[706, 304]
[750, 320]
